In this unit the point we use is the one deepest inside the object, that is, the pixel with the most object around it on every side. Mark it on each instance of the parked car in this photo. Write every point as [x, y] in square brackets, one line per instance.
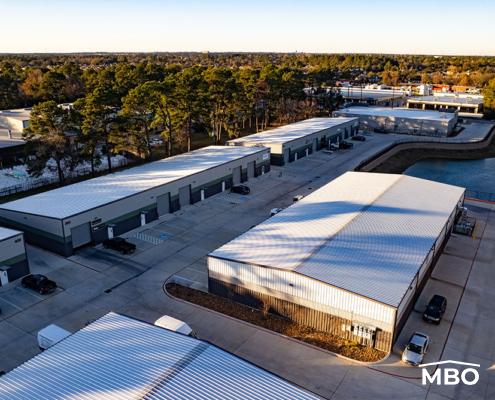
[358, 138]
[346, 145]
[416, 348]
[39, 283]
[297, 198]
[275, 211]
[119, 244]
[333, 147]
[240, 189]
[435, 309]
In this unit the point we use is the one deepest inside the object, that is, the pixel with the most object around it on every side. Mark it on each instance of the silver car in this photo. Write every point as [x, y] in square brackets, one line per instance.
[416, 348]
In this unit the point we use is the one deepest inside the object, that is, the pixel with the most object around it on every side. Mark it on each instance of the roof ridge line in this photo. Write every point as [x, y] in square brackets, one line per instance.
[325, 241]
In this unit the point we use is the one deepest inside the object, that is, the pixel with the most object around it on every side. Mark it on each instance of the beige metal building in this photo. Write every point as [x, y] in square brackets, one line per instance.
[349, 259]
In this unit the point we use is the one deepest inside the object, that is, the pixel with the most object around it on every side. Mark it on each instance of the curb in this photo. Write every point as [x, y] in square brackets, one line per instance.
[314, 347]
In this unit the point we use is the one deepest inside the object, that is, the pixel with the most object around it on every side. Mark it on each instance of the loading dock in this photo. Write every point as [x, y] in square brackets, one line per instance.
[66, 218]
[292, 142]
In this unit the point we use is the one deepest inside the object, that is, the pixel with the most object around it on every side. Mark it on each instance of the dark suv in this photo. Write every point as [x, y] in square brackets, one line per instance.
[358, 138]
[39, 283]
[119, 244]
[240, 189]
[435, 309]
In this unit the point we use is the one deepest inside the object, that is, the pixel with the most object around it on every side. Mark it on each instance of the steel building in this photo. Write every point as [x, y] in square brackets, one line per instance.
[349, 259]
[402, 120]
[291, 142]
[117, 357]
[66, 218]
[466, 105]
[374, 97]
[13, 259]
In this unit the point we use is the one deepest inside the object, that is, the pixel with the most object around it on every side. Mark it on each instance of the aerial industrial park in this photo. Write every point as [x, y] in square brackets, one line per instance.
[248, 225]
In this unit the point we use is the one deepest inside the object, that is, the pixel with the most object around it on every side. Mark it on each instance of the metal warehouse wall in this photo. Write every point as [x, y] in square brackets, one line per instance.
[310, 294]
[148, 199]
[402, 125]
[13, 257]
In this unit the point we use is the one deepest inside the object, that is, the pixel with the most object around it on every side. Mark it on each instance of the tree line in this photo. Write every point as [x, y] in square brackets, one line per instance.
[125, 107]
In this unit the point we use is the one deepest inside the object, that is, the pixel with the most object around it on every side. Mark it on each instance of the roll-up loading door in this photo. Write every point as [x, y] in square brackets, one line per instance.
[163, 204]
[81, 235]
[185, 195]
[250, 169]
[236, 175]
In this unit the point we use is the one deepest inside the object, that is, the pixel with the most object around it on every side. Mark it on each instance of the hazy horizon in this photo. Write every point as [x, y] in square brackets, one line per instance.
[150, 26]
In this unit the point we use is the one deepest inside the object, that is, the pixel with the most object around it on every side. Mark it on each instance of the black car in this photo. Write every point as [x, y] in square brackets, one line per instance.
[345, 145]
[435, 309]
[240, 189]
[119, 244]
[358, 138]
[39, 283]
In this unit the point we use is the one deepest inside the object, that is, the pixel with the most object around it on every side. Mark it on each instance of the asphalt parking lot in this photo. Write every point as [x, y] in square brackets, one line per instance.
[95, 281]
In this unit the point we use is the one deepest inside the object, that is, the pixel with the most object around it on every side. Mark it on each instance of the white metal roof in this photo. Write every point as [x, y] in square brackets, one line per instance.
[79, 197]
[119, 358]
[454, 100]
[291, 132]
[6, 233]
[398, 113]
[22, 114]
[357, 93]
[363, 232]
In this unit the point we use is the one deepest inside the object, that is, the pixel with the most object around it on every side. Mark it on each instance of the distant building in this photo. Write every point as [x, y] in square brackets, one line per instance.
[291, 142]
[467, 105]
[402, 120]
[13, 122]
[349, 259]
[376, 97]
[121, 358]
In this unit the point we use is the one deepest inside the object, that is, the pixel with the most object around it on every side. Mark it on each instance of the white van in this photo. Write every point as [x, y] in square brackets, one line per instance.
[51, 335]
[175, 325]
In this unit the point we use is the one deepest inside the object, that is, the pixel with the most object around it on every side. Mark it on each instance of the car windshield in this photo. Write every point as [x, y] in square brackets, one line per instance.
[414, 348]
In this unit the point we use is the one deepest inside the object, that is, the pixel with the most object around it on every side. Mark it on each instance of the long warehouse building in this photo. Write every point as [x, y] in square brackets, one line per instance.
[348, 259]
[13, 259]
[402, 120]
[117, 357]
[91, 211]
[294, 141]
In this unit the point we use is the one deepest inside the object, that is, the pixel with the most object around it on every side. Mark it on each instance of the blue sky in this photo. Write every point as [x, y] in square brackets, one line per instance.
[380, 26]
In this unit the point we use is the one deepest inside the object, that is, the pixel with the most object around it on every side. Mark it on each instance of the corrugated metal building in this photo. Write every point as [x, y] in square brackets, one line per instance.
[348, 259]
[294, 141]
[117, 357]
[13, 259]
[402, 120]
[64, 219]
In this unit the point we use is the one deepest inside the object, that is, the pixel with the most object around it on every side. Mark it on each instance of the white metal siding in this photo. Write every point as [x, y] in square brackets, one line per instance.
[313, 293]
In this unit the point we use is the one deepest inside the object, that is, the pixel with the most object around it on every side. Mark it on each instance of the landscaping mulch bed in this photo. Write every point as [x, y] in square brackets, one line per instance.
[277, 324]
